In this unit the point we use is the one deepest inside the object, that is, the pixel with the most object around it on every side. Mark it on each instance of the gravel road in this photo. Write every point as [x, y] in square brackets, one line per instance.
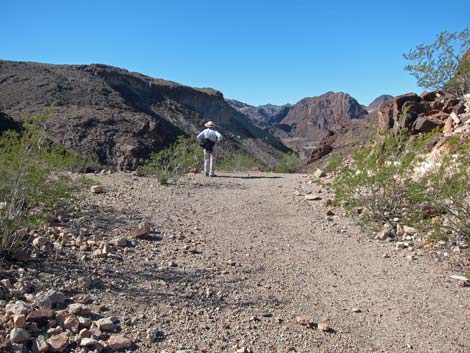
[239, 260]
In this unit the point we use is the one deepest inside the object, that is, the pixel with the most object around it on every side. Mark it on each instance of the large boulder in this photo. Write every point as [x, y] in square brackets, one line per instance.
[426, 124]
[400, 100]
[385, 117]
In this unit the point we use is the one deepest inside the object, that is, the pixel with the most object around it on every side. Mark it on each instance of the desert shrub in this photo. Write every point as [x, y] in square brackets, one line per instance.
[383, 182]
[333, 163]
[379, 181]
[32, 186]
[237, 162]
[447, 193]
[170, 164]
[289, 163]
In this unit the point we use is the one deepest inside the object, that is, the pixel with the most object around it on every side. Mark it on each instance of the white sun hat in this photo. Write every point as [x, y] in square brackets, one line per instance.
[209, 124]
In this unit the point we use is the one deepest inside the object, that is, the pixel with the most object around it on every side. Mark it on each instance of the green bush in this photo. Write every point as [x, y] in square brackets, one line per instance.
[333, 163]
[172, 163]
[32, 186]
[379, 181]
[388, 184]
[237, 162]
[447, 193]
[289, 163]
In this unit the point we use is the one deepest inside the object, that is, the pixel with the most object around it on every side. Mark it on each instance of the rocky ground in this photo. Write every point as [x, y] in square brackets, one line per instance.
[238, 263]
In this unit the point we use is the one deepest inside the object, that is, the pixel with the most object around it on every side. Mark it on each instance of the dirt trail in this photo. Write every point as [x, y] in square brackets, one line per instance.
[240, 257]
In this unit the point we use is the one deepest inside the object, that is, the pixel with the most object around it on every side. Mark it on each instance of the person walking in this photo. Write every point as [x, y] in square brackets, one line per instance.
[208, 138]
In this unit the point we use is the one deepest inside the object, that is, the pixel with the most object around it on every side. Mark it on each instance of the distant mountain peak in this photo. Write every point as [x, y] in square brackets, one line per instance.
[374, 105]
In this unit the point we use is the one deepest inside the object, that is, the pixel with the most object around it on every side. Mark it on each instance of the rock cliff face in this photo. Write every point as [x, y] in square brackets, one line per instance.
[311, 118]
[119, 117]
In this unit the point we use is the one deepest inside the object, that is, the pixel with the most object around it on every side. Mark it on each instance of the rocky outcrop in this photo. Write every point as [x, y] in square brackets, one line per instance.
[119, 117]
[420, 114]
[311, 118]
[324, 147]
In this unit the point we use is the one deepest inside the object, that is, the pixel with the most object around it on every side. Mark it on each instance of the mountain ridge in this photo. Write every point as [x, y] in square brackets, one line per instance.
[120, 117]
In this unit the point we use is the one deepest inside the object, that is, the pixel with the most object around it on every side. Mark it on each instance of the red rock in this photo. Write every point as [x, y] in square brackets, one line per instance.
[428, 96]
[91, 343]
[78, 309]
[119, 342]
[427, 124]
[142, 231]
[72, 323]
[400, 100]
[40, 316]
[304, 321]
[105, 324]
[448, 125]
[19, 321]
[58, 343]
[385, 114]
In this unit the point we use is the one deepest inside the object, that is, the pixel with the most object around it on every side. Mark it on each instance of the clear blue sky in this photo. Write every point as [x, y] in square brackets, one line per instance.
[254, 51]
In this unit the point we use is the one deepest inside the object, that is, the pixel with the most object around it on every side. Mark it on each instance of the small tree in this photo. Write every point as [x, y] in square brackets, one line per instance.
[444, 64]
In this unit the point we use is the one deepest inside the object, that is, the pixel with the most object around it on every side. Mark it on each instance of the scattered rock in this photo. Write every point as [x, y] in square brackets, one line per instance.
[19, 335]
[330, 212]
[119, 342]
[39, 345]
[459, 278]
[97, 189]
[40, 316]
[141, 231]
[319, 173]
[58, 343]
[356, 310]
[19, 321]
[312, 197]
[72, 323]
[39, 242]
[401, 245]
[324, 327]
[105, 324]
[50, 299]
[154, 335]
[78, 309]
[409, 230]
[304, 321]
[120, 242]
[18, 308]
[91, 343]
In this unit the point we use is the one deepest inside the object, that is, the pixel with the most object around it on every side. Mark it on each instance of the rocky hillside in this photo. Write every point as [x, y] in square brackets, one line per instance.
[374, 105]
[311, 118]
[119, 117]
[265, 116]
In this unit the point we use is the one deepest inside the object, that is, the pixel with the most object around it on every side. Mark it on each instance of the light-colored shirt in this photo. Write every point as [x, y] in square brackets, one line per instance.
[210, 134]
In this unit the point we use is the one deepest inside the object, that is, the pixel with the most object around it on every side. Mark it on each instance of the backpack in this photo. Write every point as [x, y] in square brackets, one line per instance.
[207, 144]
